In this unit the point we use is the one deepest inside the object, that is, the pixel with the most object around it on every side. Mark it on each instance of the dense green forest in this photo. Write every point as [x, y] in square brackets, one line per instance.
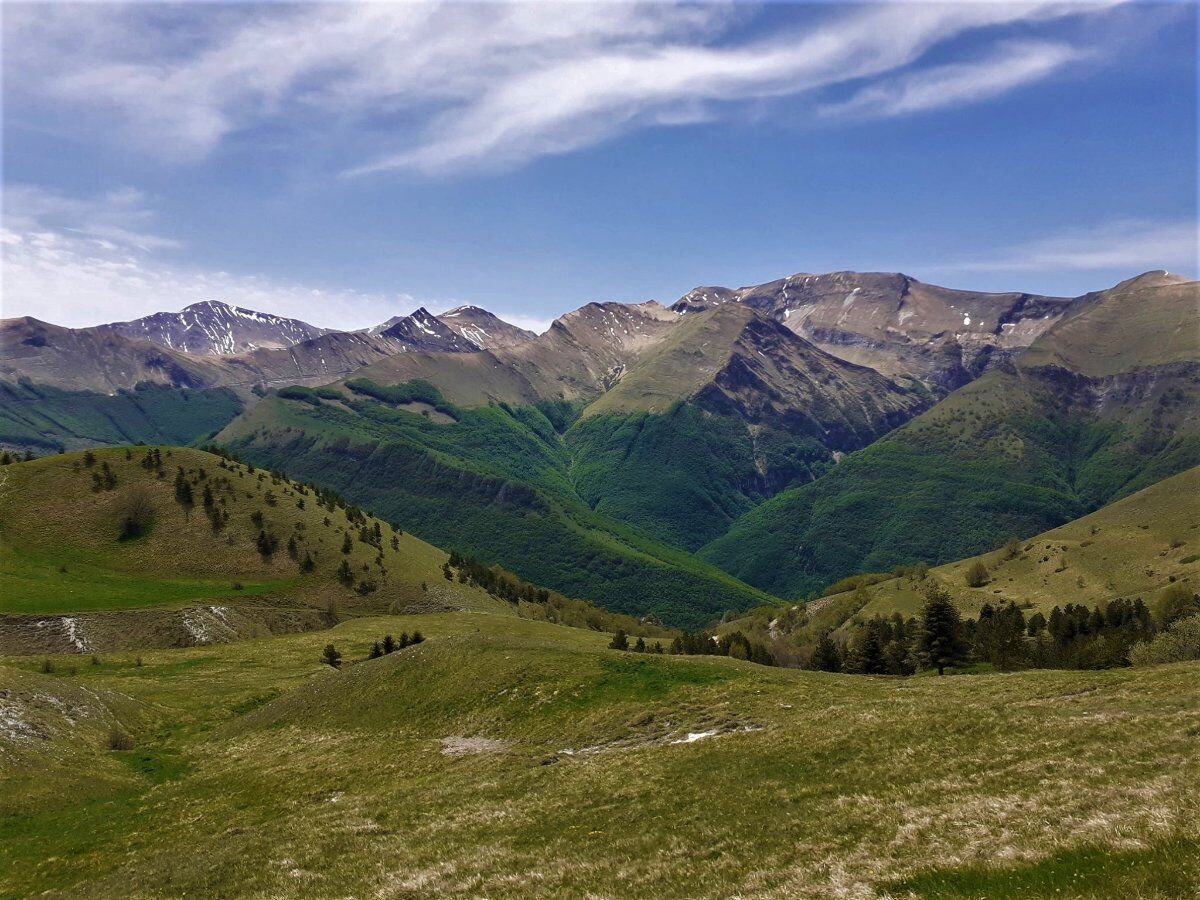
[49, 418]
[496, 482]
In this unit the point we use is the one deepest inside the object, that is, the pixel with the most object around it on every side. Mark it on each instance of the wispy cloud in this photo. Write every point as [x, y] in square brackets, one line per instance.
[83, 262]
[1010, 67]
[438, 87]
[1129, 245]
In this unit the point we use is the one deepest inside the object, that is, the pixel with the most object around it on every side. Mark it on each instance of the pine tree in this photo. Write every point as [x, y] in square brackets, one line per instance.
[347, 545]
[344, 575]
[416, 638]
[331, 657]
[826, 657]
[308, 565]
[376, 651]
[620, 641]
[389, 644]
[640, 646]
[183, 493]
[293, 550]
[940, 642]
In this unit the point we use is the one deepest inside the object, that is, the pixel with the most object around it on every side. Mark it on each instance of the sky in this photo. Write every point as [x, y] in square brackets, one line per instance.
[344, 163]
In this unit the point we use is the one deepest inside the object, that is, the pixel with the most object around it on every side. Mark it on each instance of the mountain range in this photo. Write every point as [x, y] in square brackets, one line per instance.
[738, 445]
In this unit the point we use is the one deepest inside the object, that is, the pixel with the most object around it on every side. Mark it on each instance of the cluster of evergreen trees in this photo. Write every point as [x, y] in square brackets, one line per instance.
[1072, 637]
[390, 645]
[7, 458]
[496, 581]
[620, 641]
[735, 644]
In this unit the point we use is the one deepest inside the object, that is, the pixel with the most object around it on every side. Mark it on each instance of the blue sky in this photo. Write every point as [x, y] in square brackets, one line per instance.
[344, 163]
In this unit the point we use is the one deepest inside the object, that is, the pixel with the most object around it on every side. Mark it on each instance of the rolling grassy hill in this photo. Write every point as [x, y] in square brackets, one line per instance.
[510, 758]
[62, 554]
[1103, 404]
[1132, 549]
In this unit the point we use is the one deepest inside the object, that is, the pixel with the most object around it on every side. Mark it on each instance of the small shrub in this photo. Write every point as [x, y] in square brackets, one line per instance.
[1179, 643]
[977, 574]
[119, 739]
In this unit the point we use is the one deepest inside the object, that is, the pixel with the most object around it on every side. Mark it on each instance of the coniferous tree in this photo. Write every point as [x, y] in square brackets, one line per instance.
[416, 638]
[939, 642]
[331, 657]
[344, 575]
[347, 545]
[389, 644]
[620, 641]
[376, 651]
[826, 657]
[640, 646]
[307, 565]
[183, 493]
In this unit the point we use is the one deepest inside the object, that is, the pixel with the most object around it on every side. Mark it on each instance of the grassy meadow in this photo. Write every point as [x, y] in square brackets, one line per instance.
[505, 757]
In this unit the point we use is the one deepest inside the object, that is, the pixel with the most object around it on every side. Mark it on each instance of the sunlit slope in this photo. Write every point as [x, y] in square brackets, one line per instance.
[1132, 548]
[508, 758]
[62, 549]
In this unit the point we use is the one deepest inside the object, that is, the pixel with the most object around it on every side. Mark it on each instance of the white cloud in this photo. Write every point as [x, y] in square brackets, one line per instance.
[1121, 244]
[80, 262]
[1012, 66]
[438, 87]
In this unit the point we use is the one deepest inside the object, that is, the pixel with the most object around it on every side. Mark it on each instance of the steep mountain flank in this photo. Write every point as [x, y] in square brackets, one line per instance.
[1075, 423]
[212, 328]
[729, 409]
[895, 324]
[492, 481]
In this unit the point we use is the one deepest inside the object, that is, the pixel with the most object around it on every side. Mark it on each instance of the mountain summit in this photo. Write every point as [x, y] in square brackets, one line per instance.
[213, 328]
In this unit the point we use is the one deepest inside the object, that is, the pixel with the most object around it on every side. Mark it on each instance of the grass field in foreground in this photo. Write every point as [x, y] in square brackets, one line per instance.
[507, 758]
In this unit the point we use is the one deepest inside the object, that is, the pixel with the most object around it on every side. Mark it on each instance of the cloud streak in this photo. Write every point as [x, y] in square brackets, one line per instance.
[1011, 67]
[1127, 245]
[455, 86]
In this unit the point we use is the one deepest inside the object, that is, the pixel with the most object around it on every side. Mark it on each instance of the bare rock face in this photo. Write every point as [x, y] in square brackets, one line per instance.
[212, 328]
[484, 330]
[901, 327]
[423, 331]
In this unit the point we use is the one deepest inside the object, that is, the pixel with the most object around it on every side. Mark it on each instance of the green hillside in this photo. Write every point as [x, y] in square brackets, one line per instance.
[1137, 548]
[43, 418]
[1133, 548]
[63, 553]
[495, 482]
[509, 758]
[1021, 450]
